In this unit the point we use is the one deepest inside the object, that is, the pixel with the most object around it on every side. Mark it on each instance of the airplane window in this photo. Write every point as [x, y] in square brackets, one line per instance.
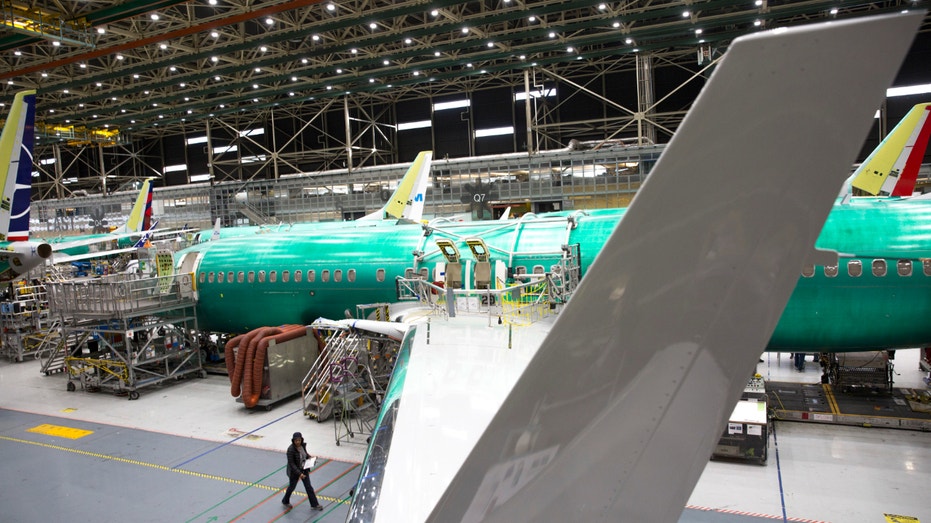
[424, 273]
[220, 277]
[325, 275]
[830, 271]
[854, 268]
[338, 275]
[210, 276]
[538, 269]
[408, 273]
[285, 276]
[240, 276]
[520, 269]
[229, 277]
[202, 277]
[379, 275]
[273, 276]
[261, 276]
[926, 267]
[351, 275]
[311, 274]
[879, 268]
[904, 267]
[251, 276]
[298, 276]
[808, 271]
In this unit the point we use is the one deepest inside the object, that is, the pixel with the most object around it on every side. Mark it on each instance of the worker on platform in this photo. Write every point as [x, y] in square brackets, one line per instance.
[299, 470]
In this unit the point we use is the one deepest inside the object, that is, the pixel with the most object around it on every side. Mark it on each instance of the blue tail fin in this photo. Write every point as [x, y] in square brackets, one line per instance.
[16, 144]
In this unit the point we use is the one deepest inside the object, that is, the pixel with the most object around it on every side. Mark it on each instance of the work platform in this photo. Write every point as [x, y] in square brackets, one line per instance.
[126, 331]
[820, 403]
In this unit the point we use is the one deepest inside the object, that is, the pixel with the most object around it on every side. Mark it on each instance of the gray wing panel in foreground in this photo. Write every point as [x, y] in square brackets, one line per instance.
[616, 416]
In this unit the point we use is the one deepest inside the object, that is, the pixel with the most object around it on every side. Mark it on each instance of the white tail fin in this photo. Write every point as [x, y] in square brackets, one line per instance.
[616, 414]
[16, 143]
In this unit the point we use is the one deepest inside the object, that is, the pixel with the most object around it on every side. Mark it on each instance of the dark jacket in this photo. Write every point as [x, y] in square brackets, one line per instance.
[294, 460]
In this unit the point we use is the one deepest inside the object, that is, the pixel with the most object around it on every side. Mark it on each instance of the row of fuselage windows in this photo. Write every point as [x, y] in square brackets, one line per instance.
[879, 268]
[283, 276]
[311, 275]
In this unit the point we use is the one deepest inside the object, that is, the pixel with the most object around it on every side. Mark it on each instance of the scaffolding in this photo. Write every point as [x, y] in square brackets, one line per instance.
[126, 331]
[24, 321]
[348, 380]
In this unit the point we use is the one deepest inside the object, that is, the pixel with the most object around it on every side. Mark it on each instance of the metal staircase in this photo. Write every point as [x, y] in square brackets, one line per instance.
[336, 366]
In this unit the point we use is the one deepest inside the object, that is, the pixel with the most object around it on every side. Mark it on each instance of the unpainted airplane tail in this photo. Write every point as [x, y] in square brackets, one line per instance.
[892, 168]
[16, 144]
[617, 424]
[140, 217]
[407, 201]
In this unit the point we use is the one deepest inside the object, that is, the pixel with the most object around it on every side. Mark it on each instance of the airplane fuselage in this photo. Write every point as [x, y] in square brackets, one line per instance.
[323, 271]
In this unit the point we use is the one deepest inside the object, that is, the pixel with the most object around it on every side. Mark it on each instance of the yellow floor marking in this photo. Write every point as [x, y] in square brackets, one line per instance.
[832, 401]
[893, 518]
[59, 431]
[160, 467]
[68, 410]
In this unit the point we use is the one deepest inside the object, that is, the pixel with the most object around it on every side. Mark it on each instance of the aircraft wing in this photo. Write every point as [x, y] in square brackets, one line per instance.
[617, 411]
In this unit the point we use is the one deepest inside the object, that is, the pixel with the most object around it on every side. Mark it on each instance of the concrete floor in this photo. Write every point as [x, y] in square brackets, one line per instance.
[188, 452]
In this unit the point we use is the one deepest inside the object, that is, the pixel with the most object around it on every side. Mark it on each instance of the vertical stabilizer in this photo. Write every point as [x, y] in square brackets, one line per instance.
[408, 199]
[16, 144]
[892, 168]
[140, 217]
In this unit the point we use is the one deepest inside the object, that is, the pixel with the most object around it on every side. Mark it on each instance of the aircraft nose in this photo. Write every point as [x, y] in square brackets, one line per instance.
[44, 250]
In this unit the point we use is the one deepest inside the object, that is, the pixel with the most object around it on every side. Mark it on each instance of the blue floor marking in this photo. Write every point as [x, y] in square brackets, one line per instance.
[234, 440]
[782, 496]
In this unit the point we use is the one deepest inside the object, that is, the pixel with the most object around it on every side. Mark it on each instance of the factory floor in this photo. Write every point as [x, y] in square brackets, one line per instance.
[186, 451]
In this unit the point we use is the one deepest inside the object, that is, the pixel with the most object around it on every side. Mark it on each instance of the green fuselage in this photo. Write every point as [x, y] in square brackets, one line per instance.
[842, 312]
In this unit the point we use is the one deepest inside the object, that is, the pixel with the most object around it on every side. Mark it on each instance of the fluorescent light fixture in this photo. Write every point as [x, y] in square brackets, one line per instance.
[47, 161]
[199, 178]
[225, 149]
[908, 90]
[455, 104]
[252, 132]
[494, 131]
[174, 168]
[539, 93]
[253, 159]
[414, 125]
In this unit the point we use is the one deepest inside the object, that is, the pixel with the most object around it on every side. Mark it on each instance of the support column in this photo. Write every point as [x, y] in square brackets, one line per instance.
[527, 103]
[646, 132]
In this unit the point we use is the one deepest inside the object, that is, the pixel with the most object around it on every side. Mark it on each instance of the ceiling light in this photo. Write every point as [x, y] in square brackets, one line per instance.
[416, 73]
[214, 34]
[339, 71]
[552, 34]
[373, 26]
[263, 48]
[436, 53]
[63, 90]
[101, 30]
[214, 59]
[258, 69]
[329, 87]
[293, 78]
[698, 31]
[122, 110]
[465, 30]
[602, 7]
[491, 44]
[628, 41]
[522, 57]
[386, 62]
[685, 14]
[255, 86]
[172, 68]
[291, 93]
[353, 51]
[408, 41]
[154, 104]
[435, 12]
[569, 49]
[154, 16]
[163, 46]
[44, 75]
[758, 3]
[18, 53]
[212, 2]
[82, 66]
[182, 84]
[315, 38]
[303, 60]
[217, 78]
[119, 57]
[834, 11]
[146, 92]
[269, 21]
[99, 84]
[757, 23]
[532, 18]
[55, 43]
[331, 7]
[371, 80]
[616, 25]
[187, 99]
